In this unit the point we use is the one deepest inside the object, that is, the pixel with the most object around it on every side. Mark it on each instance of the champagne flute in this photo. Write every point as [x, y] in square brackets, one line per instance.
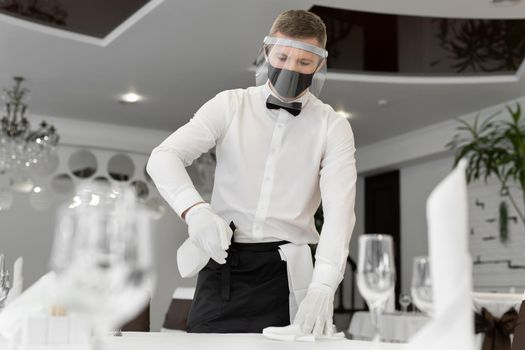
[102, 257]
[376, 274]
[421, 289]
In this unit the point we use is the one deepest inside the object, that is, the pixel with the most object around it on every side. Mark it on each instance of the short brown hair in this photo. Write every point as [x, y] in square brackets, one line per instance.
[300, 24]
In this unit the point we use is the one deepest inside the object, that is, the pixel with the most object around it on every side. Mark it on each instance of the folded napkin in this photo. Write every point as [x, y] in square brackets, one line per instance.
[190, 259]
[451, 326]
[17, 286]
[294, 333]
[36, 299]
[299, 267]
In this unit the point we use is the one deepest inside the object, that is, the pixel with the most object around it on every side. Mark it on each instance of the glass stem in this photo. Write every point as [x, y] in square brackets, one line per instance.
[375, 313]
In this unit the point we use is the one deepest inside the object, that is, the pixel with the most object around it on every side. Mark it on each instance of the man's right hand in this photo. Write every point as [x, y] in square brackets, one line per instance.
[209, 232]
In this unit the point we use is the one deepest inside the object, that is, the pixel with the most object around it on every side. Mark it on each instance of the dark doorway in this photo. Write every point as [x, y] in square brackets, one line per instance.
[382, 213]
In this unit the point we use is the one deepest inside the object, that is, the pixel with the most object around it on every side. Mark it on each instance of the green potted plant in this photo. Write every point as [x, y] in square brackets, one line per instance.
[495, 148]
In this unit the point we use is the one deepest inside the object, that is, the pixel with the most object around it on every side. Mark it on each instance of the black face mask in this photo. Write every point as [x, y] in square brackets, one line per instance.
[288, 83]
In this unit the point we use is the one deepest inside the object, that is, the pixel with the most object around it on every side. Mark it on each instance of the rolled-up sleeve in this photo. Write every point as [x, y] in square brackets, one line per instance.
[167, 162]
[338, 187]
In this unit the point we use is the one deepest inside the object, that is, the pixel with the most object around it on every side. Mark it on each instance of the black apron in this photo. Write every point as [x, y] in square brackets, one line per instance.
[246, 294]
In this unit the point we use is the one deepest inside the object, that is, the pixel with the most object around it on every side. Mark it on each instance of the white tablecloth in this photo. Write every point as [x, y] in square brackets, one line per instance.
[397, 327]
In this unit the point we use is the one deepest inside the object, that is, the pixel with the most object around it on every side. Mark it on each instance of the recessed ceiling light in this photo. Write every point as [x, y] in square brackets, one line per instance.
[382, 102]
[345, 114]
[130, 97]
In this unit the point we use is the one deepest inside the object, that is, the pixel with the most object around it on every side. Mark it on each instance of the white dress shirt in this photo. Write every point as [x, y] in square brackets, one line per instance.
[272, 171]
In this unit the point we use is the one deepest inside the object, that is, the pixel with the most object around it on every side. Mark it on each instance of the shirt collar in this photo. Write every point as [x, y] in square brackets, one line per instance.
[267, 91]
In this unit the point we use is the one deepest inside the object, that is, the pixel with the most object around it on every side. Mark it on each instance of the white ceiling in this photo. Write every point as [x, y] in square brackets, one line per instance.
[183, 52]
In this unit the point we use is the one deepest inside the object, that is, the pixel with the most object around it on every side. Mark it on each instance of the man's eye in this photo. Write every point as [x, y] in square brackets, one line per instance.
[282, 57]
[305, 63]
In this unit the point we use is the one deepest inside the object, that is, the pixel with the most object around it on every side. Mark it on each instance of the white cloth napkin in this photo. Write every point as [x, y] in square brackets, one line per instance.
[294, 333]
[299, 267]
[190, 259]
[34, 300]
[452, 325]
[16, 289]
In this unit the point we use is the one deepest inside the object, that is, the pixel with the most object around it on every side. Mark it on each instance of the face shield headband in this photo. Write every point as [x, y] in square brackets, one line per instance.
[291, 66]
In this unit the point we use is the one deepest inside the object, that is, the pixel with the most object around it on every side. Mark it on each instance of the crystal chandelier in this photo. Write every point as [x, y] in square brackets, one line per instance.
[20, 147]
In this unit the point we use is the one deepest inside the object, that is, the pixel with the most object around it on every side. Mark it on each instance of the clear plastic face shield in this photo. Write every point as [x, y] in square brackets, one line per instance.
[291, 66]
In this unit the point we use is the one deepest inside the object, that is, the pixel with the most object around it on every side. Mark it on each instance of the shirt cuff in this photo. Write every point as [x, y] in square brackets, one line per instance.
[185, 199]
[325, 274]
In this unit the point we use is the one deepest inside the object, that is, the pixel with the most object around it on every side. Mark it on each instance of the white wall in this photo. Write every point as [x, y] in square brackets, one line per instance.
[416, 183]
[423, 161]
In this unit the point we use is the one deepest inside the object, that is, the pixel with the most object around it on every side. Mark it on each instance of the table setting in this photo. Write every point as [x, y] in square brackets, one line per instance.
[100, 275]
[99, 278]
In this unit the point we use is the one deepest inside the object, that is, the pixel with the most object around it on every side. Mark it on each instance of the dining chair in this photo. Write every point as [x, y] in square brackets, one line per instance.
[177, 314]
[518, 343]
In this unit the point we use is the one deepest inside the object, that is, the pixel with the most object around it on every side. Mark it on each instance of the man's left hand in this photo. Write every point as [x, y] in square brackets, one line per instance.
[315, 314]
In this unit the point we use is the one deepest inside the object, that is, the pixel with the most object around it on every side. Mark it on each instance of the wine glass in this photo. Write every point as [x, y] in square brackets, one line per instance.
[421, 289]
[4, 282]
[404, 301]
[376, 274]
[102, 257]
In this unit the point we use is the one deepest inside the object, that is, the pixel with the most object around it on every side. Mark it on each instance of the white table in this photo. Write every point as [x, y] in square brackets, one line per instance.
[187, 341]
[398, 326]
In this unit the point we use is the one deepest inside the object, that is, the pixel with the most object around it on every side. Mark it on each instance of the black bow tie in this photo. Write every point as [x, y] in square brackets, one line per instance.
[293, 108]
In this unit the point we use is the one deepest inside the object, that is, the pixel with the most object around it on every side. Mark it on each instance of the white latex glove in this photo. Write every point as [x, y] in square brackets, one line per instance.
[209, 232]
[315, 314]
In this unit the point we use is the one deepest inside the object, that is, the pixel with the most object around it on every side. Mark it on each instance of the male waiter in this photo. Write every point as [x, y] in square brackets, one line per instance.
[280, 151]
